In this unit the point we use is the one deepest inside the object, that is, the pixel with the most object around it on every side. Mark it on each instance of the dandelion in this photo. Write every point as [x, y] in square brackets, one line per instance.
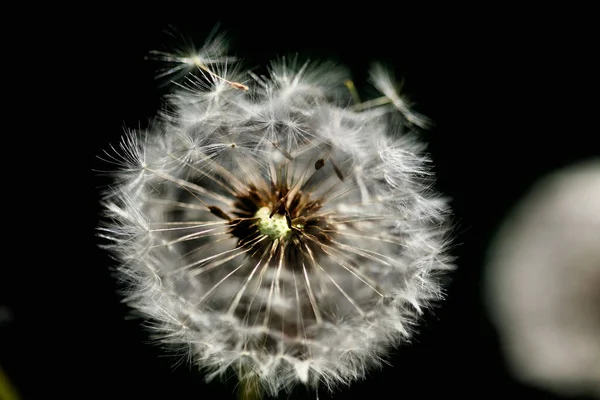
[272, 227]
[542, 282]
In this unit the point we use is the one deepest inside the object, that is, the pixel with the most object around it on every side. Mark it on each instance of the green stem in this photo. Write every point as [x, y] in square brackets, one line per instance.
[7, 391]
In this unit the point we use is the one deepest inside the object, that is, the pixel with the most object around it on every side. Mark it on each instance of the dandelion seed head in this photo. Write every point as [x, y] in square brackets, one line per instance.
[272, 228]
[542, 280]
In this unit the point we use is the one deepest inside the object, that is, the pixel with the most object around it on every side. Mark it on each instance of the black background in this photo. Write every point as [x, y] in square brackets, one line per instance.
[512, 98]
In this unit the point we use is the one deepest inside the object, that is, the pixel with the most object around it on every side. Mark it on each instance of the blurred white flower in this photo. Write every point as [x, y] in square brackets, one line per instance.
[275, 228]
[5, 315]
[543, 283]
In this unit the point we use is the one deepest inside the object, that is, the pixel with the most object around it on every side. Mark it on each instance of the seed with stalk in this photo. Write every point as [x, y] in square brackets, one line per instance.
[273, 226]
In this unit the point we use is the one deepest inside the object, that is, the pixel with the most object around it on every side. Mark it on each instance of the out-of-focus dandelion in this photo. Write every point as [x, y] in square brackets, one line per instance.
[543, 283]
[273, 227]
[5, 315]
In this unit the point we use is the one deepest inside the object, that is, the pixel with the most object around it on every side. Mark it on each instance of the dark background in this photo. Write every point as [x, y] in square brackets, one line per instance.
[511, 96]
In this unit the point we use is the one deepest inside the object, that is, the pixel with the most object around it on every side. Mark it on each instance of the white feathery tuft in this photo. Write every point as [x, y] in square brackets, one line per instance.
[272, 227]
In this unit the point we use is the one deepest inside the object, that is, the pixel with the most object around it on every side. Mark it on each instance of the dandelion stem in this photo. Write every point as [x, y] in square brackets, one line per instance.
[7, 391]
[352, 89]
[365, 105]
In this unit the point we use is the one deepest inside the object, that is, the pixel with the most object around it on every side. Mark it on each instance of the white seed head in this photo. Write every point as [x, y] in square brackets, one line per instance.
[275, 228]
[542, 282]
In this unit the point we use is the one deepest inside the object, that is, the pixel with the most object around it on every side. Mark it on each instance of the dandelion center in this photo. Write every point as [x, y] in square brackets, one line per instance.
[275, 226]
[280, 213]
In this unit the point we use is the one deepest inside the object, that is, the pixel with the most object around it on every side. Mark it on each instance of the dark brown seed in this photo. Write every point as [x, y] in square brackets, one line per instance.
[319, 164]
[277, 207]
[219, 213]
[337, 170]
